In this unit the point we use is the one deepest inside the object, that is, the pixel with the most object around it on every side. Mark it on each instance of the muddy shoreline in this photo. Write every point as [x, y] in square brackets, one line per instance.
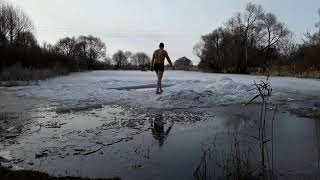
[7, 174]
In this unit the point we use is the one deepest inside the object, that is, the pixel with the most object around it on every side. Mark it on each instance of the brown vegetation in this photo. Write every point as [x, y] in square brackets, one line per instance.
[18, 73]
[7, 174]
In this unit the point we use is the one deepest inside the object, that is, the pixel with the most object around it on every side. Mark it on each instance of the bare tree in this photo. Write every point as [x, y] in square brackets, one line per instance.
[197, 49]
[313, 39]
[67, 46]
[246, 25]
[213, 49]
[26, 40]
[120, 58]
[128, 54]
[3, 24]
[218, 50]
[288, 47]
[13, 21]
[272, 33]
[45, 46]
[250, 38]
[141, 59]
[90, 48]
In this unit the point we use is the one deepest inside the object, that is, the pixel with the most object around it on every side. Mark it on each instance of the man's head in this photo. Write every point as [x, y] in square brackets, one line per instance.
[161, 46]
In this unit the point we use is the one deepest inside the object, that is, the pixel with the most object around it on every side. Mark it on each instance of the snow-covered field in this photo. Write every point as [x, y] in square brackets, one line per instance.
[184, 89]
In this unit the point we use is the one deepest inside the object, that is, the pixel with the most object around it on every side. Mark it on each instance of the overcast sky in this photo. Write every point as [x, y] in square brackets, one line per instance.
[140, 25]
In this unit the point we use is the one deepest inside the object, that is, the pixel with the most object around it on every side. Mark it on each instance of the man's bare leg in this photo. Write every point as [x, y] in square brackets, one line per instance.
[160, 75]
[161, 81]
[158, 85]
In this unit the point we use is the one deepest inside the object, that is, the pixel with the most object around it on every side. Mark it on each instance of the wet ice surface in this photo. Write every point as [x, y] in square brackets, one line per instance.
[136, 144]
[183, 89]
[96, 142]
[104, 124]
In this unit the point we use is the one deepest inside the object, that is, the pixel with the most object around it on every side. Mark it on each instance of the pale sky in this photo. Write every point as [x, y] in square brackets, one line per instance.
[140, 25]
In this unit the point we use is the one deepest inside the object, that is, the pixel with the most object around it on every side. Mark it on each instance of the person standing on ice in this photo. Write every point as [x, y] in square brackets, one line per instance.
[158, 59]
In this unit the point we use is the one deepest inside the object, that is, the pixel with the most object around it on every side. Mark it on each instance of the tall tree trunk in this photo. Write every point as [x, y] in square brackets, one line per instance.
[243, 62]
[11, 36]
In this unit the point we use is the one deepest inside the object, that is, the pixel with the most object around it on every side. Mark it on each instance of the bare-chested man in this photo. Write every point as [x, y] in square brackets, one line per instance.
[158, 59]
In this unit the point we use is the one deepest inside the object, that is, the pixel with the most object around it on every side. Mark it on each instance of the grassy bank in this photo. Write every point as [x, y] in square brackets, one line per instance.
[283, 71]
[18, 75]
[275, 71]
[6, 174]
[288, 71]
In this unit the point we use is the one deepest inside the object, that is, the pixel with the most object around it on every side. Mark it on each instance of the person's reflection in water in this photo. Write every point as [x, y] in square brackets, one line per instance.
[158, 129]
[317, 139]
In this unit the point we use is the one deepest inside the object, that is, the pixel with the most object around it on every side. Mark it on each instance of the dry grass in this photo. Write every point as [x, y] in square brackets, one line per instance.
[293, 71]
[17, 75]
[233, 164]
[243, 162]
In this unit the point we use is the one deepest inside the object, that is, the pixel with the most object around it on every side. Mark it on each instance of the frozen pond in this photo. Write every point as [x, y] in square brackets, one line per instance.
[111, 123]
[183, 89]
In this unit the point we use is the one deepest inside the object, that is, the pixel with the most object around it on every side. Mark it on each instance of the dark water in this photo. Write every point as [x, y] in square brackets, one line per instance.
[132, 143]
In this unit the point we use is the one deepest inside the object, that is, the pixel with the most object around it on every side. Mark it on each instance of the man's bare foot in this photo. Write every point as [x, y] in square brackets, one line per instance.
[158, 92]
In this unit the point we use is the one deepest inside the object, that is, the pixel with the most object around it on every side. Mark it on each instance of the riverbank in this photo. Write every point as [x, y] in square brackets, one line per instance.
[288, 72]
[19, 76]
[7, 174]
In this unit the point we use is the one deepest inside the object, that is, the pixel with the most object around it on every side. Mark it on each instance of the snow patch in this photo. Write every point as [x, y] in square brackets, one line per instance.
[5, 155]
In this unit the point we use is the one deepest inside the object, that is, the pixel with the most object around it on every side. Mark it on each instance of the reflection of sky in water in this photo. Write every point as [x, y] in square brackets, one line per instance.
[163, 145]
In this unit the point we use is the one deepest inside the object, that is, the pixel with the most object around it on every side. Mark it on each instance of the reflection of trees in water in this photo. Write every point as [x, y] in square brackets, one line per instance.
[317, 139]
[158, 129]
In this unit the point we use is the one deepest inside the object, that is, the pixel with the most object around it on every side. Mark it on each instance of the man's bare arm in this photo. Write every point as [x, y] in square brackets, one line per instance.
[152, 62]
[169, 61]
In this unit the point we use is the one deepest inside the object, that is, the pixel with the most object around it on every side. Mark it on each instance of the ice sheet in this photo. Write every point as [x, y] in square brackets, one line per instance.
[183, 89]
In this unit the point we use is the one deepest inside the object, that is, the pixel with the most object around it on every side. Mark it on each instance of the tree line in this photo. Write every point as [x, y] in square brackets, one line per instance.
[253, 40]
[18, 45]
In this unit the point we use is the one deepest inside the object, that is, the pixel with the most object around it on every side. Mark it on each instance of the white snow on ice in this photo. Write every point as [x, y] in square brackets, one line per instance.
[184, 89]
[5, 155]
